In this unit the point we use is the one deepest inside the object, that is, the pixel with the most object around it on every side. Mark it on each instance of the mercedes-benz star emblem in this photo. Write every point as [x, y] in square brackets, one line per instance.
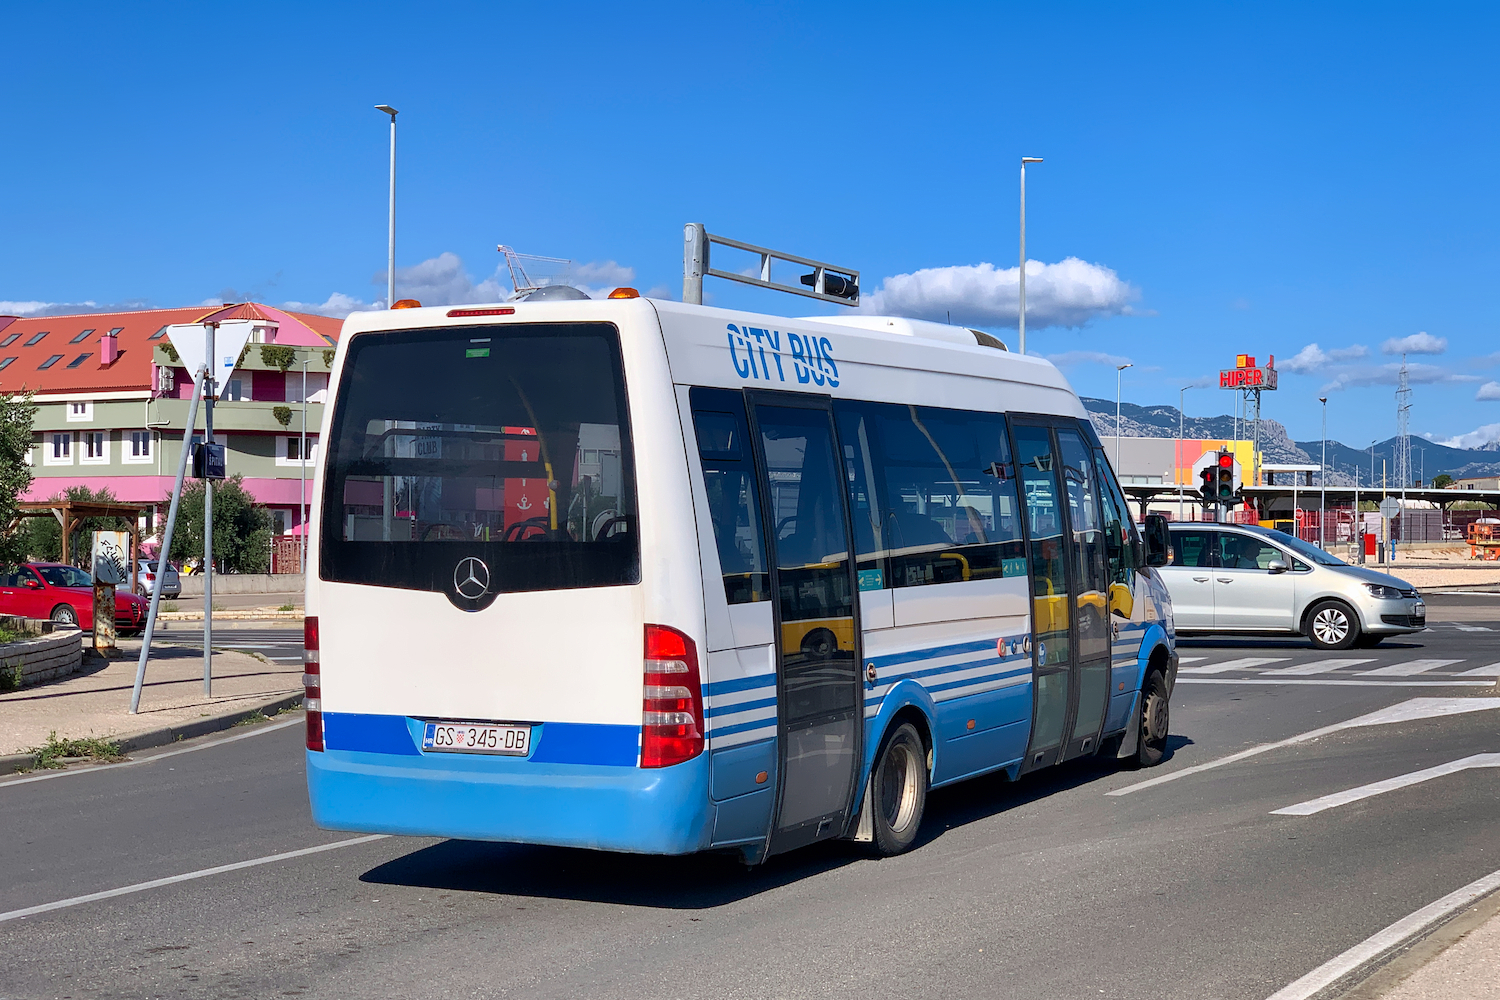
[471, 578]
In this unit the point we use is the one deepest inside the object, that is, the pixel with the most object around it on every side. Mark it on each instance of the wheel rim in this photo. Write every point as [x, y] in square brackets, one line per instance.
[1157, 720]
[898, 787]
[1330, 626]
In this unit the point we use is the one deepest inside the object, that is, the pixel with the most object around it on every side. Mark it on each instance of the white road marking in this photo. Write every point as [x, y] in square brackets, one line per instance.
[258, 730]
[157, 883]
[1316, 667]
[1462, 627]
[1387, 940]
[1330, 682]
[1407, 669]
[1243, 663]
[1407, 711]
[1191, 659]
[1343, 798]
[1493, 670]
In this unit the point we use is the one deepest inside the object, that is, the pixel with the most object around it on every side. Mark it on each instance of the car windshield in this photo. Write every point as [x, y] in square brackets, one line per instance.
[1307, 550]
[65, 576]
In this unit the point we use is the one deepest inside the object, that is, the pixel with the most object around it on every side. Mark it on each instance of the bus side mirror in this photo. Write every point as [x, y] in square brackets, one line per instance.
[1157, 540]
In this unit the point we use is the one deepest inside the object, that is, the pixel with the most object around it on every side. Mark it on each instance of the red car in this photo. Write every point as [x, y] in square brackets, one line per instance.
[64, 594]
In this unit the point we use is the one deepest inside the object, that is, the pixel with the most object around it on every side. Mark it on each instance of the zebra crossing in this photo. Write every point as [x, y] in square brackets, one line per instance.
[1299, 667]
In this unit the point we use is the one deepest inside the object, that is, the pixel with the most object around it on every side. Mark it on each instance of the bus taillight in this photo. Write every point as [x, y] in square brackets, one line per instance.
[672, 706]
[312, 699]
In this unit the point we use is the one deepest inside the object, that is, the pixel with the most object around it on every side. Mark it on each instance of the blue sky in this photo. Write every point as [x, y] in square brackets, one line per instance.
[1315, 182]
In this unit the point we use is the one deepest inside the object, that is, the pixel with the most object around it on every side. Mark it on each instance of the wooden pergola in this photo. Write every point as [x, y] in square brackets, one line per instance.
[70, 512]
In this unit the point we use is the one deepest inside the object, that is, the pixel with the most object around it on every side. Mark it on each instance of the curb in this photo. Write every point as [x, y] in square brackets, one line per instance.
[171, 734]
[197, 616]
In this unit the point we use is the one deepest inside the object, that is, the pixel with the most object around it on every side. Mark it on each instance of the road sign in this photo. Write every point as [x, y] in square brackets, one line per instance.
[1390, 507]
[189, 341]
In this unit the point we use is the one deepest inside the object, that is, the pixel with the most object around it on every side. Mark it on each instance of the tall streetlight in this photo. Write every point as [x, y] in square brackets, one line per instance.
[1118, 370]
[1025, 161]
[1323, 480]
[1180, 393]
[390, 256]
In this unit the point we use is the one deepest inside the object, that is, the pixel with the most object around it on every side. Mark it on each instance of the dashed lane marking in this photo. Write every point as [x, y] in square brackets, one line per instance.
[1493, 670]
[157, 883]
[1313, 806]
[1406, 711]
[1429, 681]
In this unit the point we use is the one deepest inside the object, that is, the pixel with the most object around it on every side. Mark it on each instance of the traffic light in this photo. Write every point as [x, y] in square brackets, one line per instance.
[1208, 488]
[1224, 477]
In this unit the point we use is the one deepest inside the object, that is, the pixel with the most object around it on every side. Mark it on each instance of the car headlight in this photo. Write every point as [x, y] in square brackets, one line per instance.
[1383, 593]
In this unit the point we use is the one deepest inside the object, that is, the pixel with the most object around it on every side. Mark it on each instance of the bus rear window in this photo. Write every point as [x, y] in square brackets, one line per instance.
[507, 445]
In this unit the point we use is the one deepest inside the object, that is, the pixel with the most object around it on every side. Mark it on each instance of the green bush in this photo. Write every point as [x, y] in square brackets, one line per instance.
[328, 358]
[277, 356]
[40, 538]
[242, 527]
[283, 414]
[16, 414]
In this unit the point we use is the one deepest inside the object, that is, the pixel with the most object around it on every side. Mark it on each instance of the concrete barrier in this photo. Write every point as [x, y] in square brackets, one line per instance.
[31, 661]
[245, 583]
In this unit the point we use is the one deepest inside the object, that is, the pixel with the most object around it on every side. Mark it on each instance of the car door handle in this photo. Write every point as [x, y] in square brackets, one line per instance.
[1226, 579]
[1200, 579]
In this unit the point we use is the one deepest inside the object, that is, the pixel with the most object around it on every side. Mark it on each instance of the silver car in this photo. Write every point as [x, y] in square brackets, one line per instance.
[1240, 579]
[147, 578]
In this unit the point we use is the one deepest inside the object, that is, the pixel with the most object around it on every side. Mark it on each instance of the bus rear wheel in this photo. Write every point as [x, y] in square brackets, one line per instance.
[899, 790]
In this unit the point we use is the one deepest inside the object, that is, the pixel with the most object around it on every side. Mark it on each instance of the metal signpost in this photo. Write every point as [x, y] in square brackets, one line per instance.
[826, 282]
[1390, 509]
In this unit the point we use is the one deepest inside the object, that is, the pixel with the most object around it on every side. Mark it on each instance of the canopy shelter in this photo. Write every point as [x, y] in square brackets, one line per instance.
[70, 512]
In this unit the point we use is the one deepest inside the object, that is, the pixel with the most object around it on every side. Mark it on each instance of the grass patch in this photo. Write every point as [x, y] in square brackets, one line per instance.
[287, 607]
[169, 606]
[10, 675]
[90, 746]
[220, 607]
[253, 718]
[6, 635]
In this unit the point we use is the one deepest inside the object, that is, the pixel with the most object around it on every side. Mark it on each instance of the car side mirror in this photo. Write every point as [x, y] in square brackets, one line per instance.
[1158, 541]
[1277, 566]
[33, 585]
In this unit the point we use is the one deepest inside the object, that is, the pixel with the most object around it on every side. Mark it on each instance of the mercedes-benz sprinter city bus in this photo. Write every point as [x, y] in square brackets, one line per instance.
[646, 576]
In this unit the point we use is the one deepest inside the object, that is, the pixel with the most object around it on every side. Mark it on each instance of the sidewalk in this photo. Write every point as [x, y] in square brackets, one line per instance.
[96, 701]
[1468, 969]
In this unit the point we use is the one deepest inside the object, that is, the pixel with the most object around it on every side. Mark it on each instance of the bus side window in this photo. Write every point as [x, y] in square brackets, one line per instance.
[1119, 530]
[864, 506]
[733, 503]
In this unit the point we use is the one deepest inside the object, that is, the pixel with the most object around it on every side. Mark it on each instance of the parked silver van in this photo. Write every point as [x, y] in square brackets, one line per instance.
[1242, 579]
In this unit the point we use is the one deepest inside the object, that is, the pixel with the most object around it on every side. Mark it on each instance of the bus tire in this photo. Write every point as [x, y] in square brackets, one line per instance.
[1332, 625]
[899, 790]
[1156, 721]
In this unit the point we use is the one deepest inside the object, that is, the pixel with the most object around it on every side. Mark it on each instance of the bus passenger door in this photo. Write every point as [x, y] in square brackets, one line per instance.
[1054, 682]
[1091, 624]
[820, 720]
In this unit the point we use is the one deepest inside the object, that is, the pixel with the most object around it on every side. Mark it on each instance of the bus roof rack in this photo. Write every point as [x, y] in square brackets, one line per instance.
[827, 281]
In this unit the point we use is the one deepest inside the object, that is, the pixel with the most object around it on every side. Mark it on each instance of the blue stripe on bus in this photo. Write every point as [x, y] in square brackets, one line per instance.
[588, 743]
[970, 681]
[914, 655]
[739, 706]
[739, 684]
[368, 733]
[767, 723]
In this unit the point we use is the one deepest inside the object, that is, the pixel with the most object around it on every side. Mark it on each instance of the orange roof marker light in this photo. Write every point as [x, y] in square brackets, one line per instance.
[624, 293]
[407, 304]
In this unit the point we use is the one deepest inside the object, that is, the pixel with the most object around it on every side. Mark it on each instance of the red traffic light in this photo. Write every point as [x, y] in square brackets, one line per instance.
[1226, 460]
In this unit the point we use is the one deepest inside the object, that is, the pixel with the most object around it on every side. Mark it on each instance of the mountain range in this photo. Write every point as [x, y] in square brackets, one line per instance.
[1344, 462]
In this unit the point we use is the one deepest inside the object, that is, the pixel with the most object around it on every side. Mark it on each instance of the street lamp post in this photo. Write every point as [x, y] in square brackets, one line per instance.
[1323, 481]
[390, 254]
[1180, 393]
[1118, 370]
[1024, 160]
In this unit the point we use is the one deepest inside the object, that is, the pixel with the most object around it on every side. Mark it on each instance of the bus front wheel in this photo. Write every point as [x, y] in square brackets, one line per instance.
[899, 790]
[1156, 721]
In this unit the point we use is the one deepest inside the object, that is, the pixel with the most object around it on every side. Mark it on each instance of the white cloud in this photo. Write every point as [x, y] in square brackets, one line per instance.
[443, 281]
[1313, 358]
[1417, 343]
[1490, 390]
[1069, 293]
[1477, 438]
[1417, 374]
[35, 308]
[1068, 359]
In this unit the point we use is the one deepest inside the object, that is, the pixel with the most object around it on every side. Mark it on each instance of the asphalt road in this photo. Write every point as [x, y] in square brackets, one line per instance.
[1050, 887]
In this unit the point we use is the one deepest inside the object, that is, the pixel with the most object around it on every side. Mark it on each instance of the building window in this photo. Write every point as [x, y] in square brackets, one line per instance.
[158, 334]
[116, 331]
[10, 340]
[81, 337]
[140, 447]
[37, 339]
[79, 360]
[6, 363]
[289, 450]
[234, 390]
[95, 447]
[80, 411]
[49, 362]
[60, 451]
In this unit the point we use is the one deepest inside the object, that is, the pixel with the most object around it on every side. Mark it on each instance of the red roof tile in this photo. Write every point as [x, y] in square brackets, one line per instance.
[132, 370]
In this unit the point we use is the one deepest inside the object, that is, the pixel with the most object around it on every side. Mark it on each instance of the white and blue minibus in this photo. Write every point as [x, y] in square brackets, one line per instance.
[646, 576]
